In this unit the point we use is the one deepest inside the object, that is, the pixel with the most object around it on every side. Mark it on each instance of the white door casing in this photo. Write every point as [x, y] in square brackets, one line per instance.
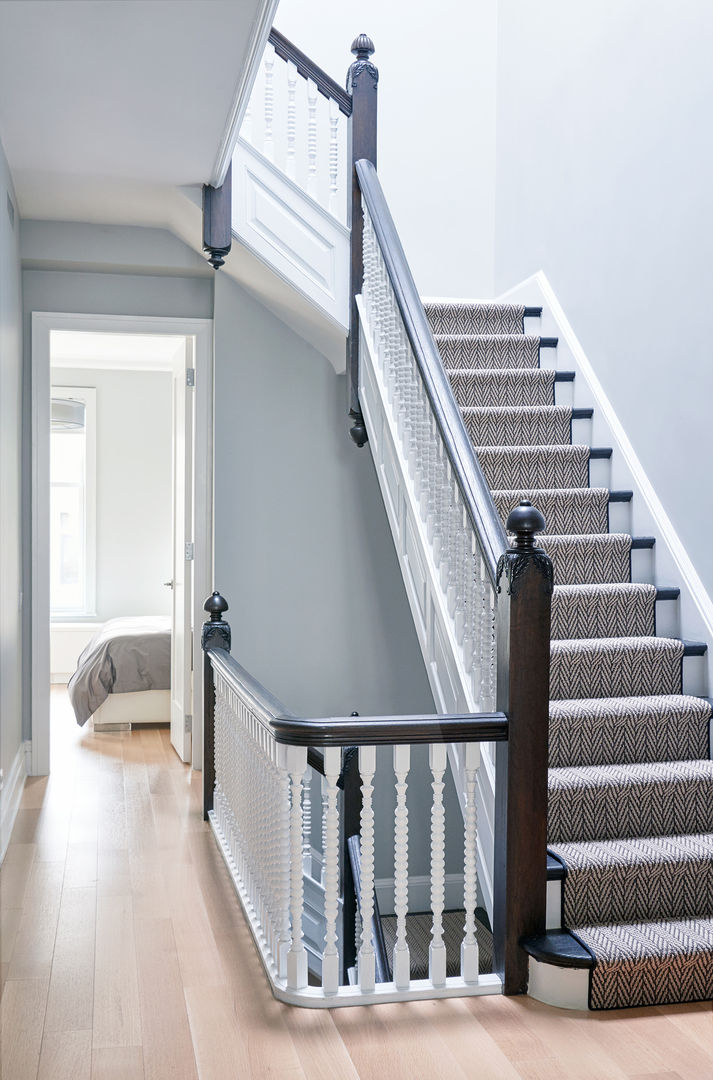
[200, 334]
[182, 581]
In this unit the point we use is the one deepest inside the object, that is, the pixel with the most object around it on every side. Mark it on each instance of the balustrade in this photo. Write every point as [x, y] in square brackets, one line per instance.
[297, 117]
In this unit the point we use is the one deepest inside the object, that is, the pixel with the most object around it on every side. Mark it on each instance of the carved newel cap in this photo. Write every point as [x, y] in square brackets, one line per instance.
[216, 605]
[524, 521]
[363, 47]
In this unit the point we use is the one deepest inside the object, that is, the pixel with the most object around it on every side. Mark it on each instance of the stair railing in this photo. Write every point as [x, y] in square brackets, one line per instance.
[481, 608]
[255, 800]
[297, 117]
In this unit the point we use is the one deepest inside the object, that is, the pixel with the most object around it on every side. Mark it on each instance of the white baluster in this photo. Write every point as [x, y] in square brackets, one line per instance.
[437, 757]
[469, 945]
[307, 822]
[401, 959]
[330, 847]
[367, 767]
[283, 880]
[268, 146]
[291, 118]
[297, 955]
[333, 156]
[311, 137]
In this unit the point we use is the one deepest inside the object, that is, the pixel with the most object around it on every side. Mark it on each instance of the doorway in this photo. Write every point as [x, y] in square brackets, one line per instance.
[78, 361]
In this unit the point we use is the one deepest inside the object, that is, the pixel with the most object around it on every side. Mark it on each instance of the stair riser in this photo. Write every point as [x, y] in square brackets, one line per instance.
[668, 619]
[581, 431]
[600, 472]
[564, 394]
[693, 682]
[621, 517]
[643, 565]
[637, 894]
[652, 809]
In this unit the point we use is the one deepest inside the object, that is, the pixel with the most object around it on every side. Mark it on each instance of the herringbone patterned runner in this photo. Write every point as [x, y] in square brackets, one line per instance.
[631, 780]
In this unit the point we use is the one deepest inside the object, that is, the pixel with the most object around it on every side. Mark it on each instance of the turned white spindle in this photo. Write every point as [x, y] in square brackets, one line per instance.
[297, 955]
[469, 945]
[401, 964]
[333, 155]
[311, 137]
[437, 759]
[307, 822]
[367, 767]
[268, 145]
[330, 848]
[283, 879]
[291, 118]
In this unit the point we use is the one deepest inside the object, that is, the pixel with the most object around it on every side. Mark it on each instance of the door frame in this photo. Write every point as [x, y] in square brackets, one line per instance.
[43, 322]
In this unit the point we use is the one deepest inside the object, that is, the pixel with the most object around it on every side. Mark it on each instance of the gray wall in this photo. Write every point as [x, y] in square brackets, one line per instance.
[605, 174]
[10, 475]
[134, 525]
[303, 551]
[436, 123]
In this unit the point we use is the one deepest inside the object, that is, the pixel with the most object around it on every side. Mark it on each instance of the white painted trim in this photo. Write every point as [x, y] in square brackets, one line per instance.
[298, 240]
[419, 893]
[201, 330]
[243, 90]
[11, 796]
[565, 988]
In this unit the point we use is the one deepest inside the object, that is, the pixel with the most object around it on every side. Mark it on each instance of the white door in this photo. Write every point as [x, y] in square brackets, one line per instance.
[181, 637]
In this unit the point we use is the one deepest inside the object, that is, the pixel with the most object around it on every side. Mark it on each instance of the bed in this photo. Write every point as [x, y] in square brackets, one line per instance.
[123, 676]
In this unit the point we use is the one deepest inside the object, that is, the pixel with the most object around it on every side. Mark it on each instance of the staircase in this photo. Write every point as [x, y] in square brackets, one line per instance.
[630, 818]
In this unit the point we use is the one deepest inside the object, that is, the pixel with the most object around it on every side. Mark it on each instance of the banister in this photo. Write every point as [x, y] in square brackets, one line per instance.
[469, 476]
[290, 730]
[309, 70]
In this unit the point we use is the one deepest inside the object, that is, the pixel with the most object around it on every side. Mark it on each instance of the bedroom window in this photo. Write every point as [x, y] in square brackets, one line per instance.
[72, 501]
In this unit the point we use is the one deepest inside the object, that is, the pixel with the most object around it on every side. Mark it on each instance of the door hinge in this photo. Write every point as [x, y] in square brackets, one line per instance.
[189, 551]
[190, 376]
[188, 723]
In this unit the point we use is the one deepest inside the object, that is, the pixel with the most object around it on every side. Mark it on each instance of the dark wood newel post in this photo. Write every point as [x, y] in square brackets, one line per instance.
[525, 583]
[215, 635]
[362, 84]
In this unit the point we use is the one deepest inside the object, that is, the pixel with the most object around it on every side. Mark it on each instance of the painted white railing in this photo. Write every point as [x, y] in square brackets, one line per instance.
[263, 817]
[299, 127]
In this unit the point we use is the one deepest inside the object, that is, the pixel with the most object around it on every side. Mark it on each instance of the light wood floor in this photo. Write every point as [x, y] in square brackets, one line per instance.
[125, 955]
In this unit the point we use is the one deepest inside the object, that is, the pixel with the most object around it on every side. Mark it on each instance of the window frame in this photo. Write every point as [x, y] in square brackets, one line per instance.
[87, 395]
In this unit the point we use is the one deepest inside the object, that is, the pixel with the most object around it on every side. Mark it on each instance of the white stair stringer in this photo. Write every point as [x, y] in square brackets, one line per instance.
[450, 684]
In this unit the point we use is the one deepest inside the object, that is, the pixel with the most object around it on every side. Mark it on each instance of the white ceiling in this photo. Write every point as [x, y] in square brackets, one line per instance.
[107, 107]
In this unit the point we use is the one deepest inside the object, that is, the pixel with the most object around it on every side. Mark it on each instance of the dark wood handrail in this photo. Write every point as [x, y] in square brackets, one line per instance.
[292, 730]
[469, 476]
[309, 70]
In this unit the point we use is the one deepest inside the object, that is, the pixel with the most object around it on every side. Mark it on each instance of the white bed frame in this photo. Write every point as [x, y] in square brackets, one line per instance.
[121, 712]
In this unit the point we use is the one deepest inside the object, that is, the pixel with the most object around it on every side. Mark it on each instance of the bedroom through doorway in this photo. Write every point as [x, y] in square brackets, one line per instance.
[122, 539]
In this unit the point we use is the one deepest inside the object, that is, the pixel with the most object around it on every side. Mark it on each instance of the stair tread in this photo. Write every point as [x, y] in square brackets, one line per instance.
[650, 963]
[650, 772]
[635, 851]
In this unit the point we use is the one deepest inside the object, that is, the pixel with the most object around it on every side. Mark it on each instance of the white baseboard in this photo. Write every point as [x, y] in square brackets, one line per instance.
[11, 795]
[419, 893]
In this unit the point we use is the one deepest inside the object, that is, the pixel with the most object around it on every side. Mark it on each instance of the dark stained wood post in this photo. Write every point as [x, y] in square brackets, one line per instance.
[217, 220]
[362, 84]
[350, 783]
[525, 582]
[215, 635]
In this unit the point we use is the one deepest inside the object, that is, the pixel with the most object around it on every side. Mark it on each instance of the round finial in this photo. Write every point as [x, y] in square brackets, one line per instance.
[525, 521]
[358, 429]
[215, 605]
[363, 47]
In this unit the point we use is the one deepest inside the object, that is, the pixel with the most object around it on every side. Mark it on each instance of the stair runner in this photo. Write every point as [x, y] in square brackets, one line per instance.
[630, 781]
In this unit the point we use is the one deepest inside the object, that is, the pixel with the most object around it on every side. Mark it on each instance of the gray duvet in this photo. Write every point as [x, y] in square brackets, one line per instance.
[127, 654]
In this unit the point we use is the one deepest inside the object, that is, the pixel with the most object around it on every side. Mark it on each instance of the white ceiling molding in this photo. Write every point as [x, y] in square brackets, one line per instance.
[248, 74]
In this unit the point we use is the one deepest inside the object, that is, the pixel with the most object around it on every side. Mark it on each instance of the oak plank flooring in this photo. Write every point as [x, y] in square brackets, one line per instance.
[125, 956]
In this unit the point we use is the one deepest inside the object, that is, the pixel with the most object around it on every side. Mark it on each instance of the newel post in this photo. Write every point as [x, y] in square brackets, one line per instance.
[215, 635]
[362, 84]
[525, 581]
